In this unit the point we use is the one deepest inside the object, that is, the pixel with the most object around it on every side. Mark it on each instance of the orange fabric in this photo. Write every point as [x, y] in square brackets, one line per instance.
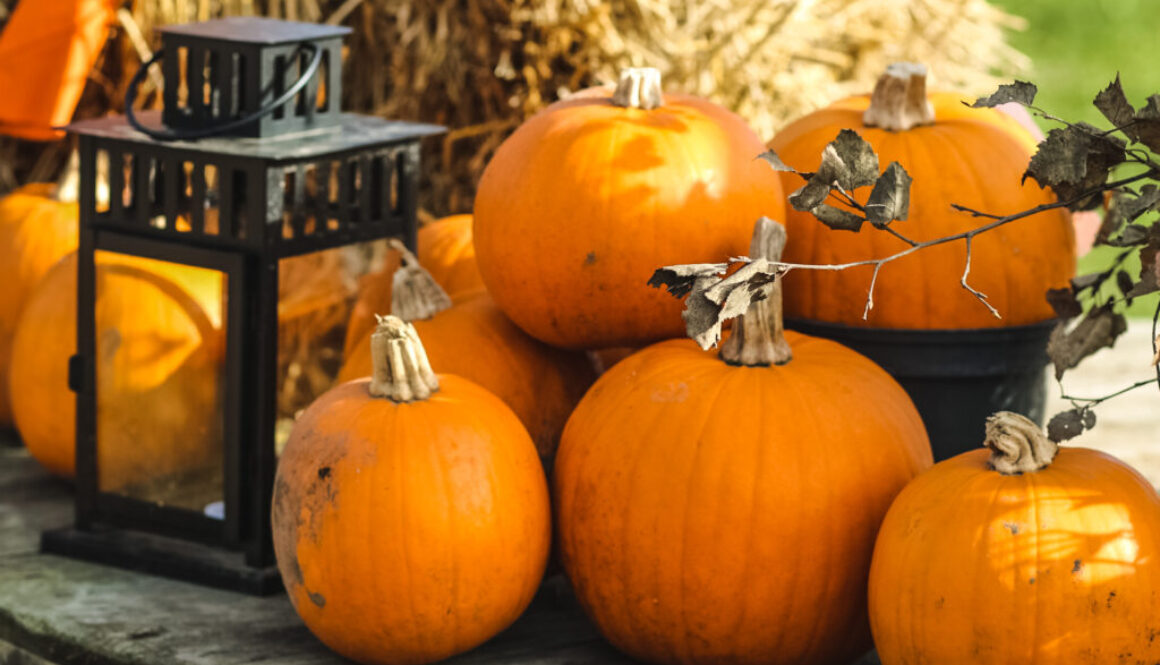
[46, 51]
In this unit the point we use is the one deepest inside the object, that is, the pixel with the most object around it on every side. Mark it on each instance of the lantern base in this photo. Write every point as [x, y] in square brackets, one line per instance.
[167, 557]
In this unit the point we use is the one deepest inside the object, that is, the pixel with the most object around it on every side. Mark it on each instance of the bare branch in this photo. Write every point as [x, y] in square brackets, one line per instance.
[896, 234]
[1092, 401]
[978, 294]
[870, 293]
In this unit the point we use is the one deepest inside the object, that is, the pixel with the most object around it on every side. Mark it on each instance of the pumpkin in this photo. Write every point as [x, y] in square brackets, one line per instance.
[447, 252]
[158, 358]
[36, 230]
[1020, 552]
[585, 198]
[955, 154]
[410, 513]
[472, 338]
[723, 509]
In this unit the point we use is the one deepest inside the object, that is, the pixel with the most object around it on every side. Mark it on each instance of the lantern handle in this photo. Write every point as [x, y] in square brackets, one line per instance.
[189, 135]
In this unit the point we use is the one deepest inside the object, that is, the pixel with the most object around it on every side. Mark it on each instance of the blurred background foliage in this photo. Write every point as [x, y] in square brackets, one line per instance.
[1076, 48]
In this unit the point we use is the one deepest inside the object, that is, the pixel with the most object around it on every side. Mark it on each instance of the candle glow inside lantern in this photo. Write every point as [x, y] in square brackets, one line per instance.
[250, 167]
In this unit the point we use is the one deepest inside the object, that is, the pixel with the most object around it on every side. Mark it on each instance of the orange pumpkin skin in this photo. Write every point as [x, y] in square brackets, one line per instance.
[35, 232]
[1056, 567]
[580, 205]
[973, 157]
[407, 533]
[447, 252]
[474, 339]
[157, 405]
[709, 513]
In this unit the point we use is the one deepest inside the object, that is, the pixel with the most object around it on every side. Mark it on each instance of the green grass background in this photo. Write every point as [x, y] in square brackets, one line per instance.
[1076, 48]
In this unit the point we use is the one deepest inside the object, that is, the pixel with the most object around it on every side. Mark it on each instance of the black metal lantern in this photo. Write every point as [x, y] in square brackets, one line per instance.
[250, 163]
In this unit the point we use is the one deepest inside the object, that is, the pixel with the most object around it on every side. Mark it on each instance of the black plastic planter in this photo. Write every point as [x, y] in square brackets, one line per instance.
[956, 378]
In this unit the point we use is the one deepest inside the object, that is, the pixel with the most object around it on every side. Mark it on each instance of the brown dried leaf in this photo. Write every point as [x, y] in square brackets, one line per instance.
[770, 157]
[1098, 330]
[1075, 160]
[1064, 302]
[1113, 103]
[836, 218]
[1070, 424]
[714, 299]
[679, 280]
[1149, 265]
[1146, 128]
[890, 198]
[1020, 92]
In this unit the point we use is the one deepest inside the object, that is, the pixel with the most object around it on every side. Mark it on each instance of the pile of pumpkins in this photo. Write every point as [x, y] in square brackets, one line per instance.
[773, 502]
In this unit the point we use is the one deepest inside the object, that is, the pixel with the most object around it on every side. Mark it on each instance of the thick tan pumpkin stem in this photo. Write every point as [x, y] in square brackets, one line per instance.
[758, 337]
[401, 371]
[415, 295]
[639, 88]
[899, 100]
[1017, 444]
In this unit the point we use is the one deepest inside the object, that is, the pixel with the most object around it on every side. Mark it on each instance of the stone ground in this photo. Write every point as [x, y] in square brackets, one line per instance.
[1127, 426]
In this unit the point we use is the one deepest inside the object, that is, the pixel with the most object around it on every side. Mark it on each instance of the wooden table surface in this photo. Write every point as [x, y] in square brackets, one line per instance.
[55, 610]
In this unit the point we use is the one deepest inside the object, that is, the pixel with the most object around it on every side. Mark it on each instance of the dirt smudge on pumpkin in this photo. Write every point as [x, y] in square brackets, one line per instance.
[316, 598]
[1077, 568]
[1111, 596]
[1012, 527]
[590, 259]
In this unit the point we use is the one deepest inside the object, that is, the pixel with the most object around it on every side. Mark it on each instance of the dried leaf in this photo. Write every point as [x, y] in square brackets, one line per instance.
[810, 195]
[1146, 128]
[1081, 282]
[856, 165]
[679, 280]
[1149, 265]
[775, 162]
[837, 219]
[1124, 282]
[1064, 302]
[1075, 160]
[890, 198]
[1098, 329]
[1125, 207]
[1070, 424]
[1020, 92]
[1113, 103]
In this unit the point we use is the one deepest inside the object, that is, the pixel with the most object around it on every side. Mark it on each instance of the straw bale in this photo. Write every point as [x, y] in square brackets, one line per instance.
[481, 66]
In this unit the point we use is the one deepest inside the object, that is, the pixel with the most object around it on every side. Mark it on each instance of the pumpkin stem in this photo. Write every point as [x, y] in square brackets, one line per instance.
[899, 100]
[1017, 444]
[415, 295]
[639, 88]
[758, 336]
[401, 371]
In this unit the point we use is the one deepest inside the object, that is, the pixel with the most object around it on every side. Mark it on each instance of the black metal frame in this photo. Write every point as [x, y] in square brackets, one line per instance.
[158, 210]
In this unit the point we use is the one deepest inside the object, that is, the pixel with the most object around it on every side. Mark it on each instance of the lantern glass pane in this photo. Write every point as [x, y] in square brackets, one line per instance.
[318, 294]
[160, 379]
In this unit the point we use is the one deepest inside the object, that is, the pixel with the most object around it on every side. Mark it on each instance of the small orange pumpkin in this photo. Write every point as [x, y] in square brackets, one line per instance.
[447, 252]
[955, 154]
[723, 509]
[472, 338]
[1026, 553]
[36, 230]
[158, 353]
[410, 512]
[587, 197]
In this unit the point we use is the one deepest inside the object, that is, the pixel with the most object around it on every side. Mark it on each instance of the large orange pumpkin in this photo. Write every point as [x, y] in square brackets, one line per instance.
[955, 154]
[157, 366]
[586, 198]
[473, 339]
[36, 230]
[1023, 553]
[410, 513]
[723, 509]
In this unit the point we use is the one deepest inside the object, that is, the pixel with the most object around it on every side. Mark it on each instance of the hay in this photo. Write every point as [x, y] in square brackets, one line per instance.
[481, 66]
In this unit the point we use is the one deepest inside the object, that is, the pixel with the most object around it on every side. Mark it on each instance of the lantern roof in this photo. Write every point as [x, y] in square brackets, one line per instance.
[255, 30]
[353, 131]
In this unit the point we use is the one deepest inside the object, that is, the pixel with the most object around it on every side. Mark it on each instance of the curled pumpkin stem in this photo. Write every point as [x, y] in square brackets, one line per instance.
[899, 99]
[401, 371]
[1017, 444]
[415, 295]
[639, 88]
